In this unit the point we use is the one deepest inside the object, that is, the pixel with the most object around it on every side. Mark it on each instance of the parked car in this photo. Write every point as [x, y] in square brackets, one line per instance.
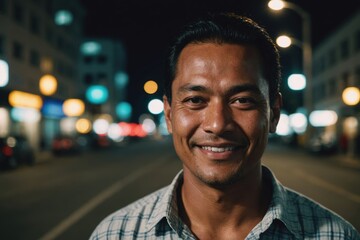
[63, 144]
[322, 145]
[15, 150]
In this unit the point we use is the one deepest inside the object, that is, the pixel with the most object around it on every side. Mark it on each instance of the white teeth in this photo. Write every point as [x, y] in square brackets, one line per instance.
[217, 149]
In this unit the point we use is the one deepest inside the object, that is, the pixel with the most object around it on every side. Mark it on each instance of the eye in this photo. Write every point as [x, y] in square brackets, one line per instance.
[244, 102]
[194, 102]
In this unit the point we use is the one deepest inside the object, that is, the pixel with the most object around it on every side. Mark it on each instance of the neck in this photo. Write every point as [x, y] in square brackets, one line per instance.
[214, 212]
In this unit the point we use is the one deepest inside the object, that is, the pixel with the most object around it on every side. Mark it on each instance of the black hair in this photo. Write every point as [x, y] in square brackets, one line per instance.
[233, 29]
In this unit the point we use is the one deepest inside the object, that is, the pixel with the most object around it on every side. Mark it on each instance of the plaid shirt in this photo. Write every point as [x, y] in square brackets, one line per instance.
[290, 216]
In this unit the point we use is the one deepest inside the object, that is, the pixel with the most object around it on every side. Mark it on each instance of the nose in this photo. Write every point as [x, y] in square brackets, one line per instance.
[218, 118]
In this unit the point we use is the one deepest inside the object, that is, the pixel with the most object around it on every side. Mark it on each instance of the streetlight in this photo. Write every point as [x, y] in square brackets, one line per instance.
[351, 96]
[305, 43]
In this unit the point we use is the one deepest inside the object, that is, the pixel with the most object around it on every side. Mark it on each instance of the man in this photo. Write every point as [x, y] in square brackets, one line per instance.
[221, 102]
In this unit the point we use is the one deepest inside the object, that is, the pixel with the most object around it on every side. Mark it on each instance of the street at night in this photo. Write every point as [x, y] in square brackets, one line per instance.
[66, 197]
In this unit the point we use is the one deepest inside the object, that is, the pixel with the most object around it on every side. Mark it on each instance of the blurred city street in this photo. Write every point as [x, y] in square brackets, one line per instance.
[65, 197]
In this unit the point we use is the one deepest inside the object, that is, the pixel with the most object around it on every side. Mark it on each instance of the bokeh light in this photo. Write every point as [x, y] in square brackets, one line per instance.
[5, 122]
[297, 82]
[29, 115]
[115, 132]
[298, 122]
[123, 111]
[63, 17]
[150, 87]
[323, 118]
[156, 106]
[4, 73]
[24, 99]
[97, 94]
[283, 128]
[90, 48]
[101, 126]
[48, 85]
[121, 79]
[73, 107]
[283, 41]
[276, 5]
[351, 96]
[83, 125]
[149, 125]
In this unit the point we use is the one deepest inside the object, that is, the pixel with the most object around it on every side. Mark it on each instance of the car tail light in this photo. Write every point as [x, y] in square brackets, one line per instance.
[7, 151]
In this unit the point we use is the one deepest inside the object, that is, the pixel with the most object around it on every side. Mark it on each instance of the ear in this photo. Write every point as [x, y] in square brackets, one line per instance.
[167, 112]
[275, 113]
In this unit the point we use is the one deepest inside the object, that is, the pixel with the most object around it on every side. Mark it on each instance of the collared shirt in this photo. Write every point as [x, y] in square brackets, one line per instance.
[290, 216]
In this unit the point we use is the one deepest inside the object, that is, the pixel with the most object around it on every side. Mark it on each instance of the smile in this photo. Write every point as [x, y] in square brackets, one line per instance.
[218, 149]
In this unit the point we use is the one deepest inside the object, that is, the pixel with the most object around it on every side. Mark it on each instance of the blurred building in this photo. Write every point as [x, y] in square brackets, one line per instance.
[102, 72]
[336, 66]
[37, 38]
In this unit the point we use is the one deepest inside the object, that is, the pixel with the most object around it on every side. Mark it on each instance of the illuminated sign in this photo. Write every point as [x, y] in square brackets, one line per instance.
[52, 108]
[23, 99]
[29, 115]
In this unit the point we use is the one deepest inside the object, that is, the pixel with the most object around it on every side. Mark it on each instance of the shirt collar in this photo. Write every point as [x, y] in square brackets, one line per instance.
[280, 207]
[167, 206]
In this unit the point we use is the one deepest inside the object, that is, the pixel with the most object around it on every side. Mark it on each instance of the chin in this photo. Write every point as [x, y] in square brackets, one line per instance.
[219, 180]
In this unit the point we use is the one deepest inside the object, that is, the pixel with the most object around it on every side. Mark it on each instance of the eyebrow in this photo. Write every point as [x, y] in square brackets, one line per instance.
[233, 90]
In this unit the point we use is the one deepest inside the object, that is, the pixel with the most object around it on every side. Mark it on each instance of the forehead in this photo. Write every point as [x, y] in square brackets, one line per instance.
[219, 64]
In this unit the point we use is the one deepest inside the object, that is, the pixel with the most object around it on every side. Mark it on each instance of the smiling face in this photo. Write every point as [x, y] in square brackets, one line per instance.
[219, 114]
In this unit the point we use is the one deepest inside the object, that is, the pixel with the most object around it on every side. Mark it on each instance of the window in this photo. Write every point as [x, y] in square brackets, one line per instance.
[2, 43]
[102, 59]
[88, 79]
[18, 51]
[344, 49]
[34, 24]
[357, 41]
[332, 87]
[357, 76]
[2, 6]
[332, 57]
[18, 13]
[34, 58]
[345, 80]
[60, 43]
[88, 59]
[101, 77]
[49, 35]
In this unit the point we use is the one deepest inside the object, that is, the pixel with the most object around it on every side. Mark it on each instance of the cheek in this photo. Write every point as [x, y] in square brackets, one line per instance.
[255, 125]
[184, 123]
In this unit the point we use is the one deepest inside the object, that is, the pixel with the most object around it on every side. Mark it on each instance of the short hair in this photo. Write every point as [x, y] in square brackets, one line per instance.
[228, 28]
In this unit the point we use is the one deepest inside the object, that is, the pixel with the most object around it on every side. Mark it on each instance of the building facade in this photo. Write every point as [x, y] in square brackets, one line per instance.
[336, 66]
[103, 65]
[37, 38]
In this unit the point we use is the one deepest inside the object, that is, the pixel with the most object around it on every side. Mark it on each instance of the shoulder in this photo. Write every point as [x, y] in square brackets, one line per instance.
[130, 220]
[304, 217]
[315, 219]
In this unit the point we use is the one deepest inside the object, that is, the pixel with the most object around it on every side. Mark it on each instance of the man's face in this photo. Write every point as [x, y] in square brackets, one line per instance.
[220, 115]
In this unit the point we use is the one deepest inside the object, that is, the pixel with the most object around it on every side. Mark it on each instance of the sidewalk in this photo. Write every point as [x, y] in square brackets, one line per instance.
[347, 161]
[335, 158]
[43, 156]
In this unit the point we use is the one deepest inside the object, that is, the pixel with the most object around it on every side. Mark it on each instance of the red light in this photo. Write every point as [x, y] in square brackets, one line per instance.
[7, 151]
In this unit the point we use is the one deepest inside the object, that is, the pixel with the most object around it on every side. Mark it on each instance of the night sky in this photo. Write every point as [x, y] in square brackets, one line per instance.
[147, 26]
